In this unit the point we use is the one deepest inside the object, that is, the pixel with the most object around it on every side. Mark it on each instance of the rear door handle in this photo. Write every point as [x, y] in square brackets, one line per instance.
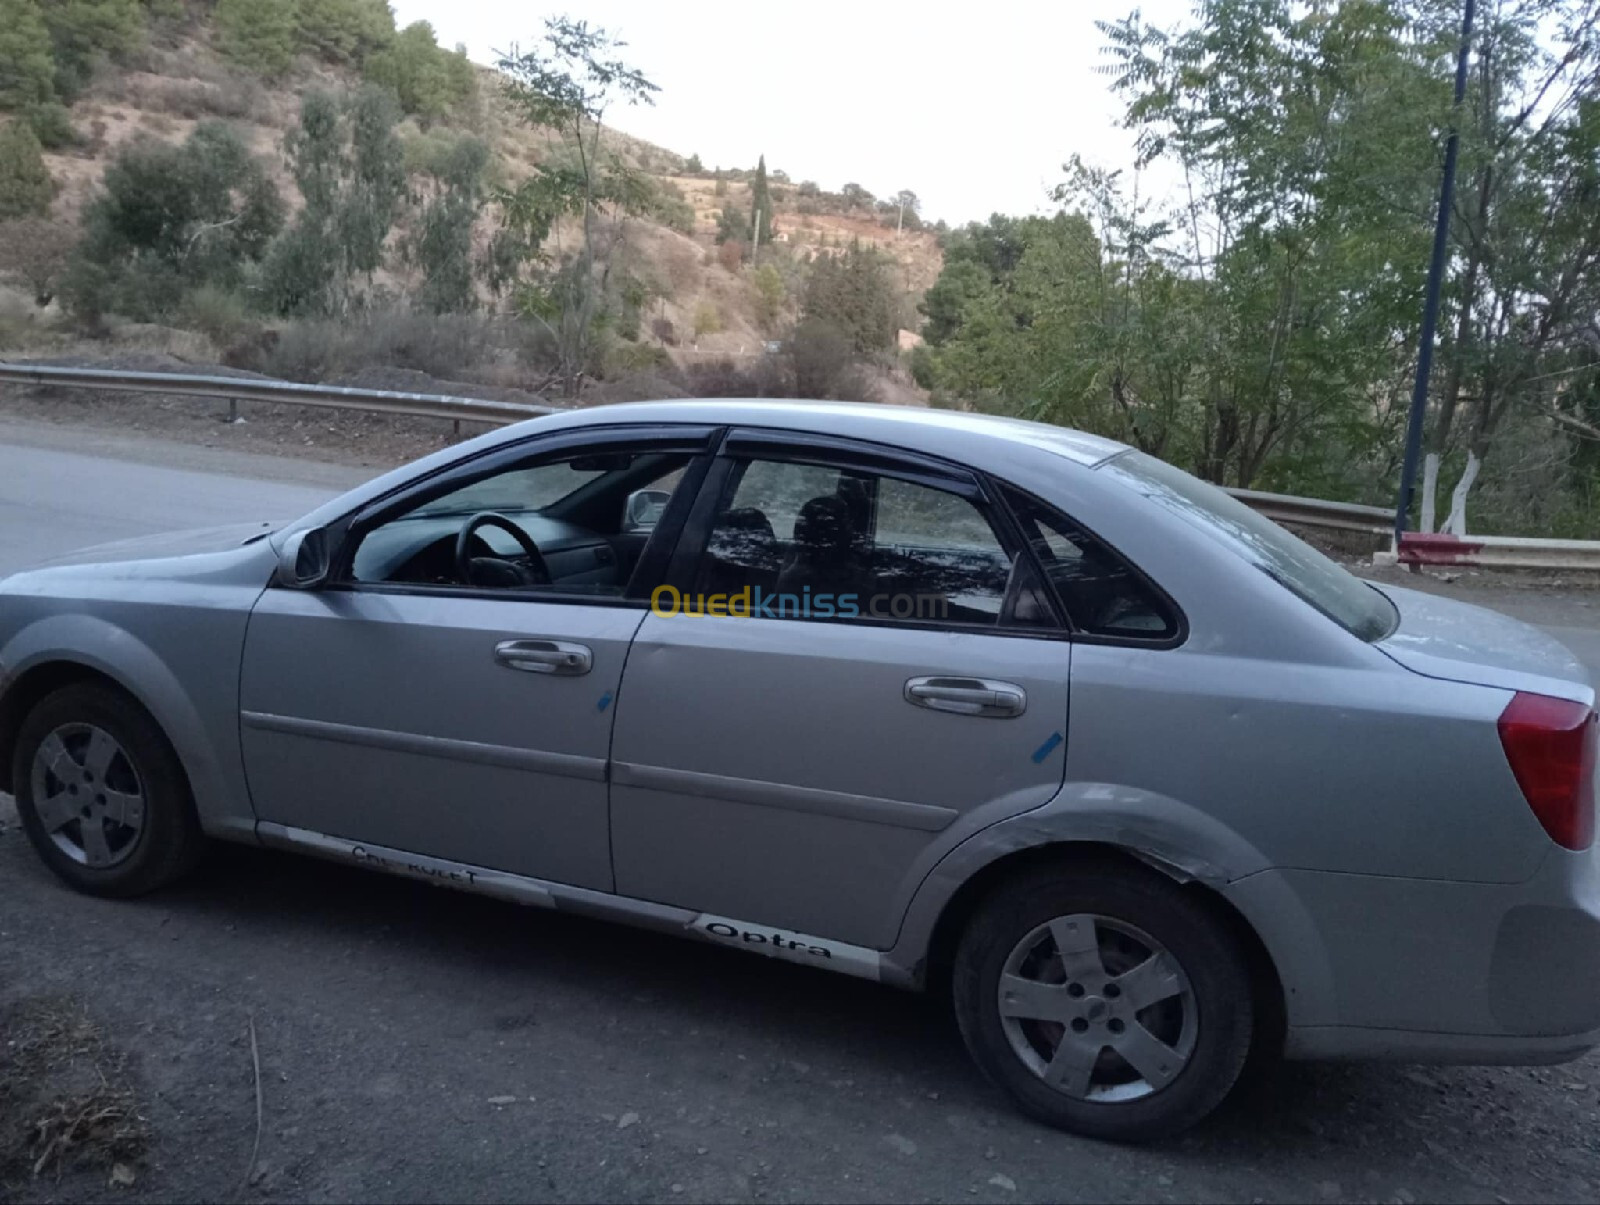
[545, 657]
[967, 696]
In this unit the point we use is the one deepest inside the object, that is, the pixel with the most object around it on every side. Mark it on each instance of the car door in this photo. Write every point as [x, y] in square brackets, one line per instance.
[466, 714]
[851, 665]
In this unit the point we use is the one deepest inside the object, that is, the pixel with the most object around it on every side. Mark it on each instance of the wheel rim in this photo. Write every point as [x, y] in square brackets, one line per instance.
[1098, 1009]
[88, 795]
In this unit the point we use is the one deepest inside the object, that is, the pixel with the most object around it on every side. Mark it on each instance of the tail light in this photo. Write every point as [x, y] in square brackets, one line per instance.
[1551, 746]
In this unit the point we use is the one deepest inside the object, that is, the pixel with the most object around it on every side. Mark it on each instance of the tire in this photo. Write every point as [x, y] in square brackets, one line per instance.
[1187, 1018]
[138, 802]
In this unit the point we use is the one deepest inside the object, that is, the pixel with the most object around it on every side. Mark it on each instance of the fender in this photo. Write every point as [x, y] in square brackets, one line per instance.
[216, 781]
[1173, 837]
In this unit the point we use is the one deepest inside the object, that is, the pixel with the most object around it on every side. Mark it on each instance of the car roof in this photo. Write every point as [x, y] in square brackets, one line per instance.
[909, 426]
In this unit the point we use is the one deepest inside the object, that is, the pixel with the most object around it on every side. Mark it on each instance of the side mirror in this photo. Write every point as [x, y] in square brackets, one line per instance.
[303, 560]
[644, 509]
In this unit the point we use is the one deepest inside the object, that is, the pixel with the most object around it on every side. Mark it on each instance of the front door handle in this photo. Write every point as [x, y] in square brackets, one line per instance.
[545, 657]
[967, 696]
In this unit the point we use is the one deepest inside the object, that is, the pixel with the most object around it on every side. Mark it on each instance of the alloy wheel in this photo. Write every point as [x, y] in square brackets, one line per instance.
[88, 795]
[1097, 1008]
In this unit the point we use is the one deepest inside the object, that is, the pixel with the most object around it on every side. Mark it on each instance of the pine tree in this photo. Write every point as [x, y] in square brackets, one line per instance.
[25, 184]
[761, 205]
[27, 67]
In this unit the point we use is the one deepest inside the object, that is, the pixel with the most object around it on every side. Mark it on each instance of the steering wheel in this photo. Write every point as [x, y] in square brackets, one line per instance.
[495, 570]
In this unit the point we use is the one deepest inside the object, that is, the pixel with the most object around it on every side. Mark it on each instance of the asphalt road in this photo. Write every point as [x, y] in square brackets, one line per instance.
[419, 1044]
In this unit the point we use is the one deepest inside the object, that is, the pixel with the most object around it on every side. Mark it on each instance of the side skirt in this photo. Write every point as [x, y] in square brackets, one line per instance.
[521, 889]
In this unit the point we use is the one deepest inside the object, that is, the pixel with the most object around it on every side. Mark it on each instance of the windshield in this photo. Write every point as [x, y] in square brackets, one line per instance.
[1357, 607]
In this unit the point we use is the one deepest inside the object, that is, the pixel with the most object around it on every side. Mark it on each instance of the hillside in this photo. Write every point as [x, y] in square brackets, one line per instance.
[700, 304]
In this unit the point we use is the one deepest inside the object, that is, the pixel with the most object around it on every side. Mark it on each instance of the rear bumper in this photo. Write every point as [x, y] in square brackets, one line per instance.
[1430, 970]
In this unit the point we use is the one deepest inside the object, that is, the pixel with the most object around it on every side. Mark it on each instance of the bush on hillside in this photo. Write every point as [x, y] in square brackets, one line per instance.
[25, 185]
[35, 251]
[429, 80]
[28, 78]
[259, 35]
[172, 218]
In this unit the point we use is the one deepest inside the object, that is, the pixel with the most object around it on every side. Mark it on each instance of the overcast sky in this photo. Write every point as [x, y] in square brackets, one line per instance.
[973, 106]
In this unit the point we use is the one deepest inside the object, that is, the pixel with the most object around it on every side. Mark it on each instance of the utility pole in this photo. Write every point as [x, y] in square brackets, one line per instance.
[1430, 308]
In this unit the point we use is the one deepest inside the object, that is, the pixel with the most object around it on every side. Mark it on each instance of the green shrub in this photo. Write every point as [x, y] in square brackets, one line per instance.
[82, 30]
[25, 184]
[429, 80]
[172, 218]
[258, 34]
[707, 319]
[344, 31]
[27, 62]
[53, 126]
[218, 313]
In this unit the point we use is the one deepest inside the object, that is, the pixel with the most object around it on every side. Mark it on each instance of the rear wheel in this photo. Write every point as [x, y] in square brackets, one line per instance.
[1104, 1001]
[101, 793]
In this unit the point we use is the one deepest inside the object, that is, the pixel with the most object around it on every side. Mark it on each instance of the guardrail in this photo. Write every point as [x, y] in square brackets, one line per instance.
[1314, 512]
[1308, 512]
[256, 389]
[1498, 552]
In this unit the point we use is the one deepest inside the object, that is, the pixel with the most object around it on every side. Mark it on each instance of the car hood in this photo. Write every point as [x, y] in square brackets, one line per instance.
[1460, 642]
[165, 545]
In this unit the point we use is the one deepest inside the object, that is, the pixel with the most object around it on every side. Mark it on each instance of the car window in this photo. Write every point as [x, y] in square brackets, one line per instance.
[1357, 607]
[570, 524]
[810, 541]
[1101, 592]
[525, 489]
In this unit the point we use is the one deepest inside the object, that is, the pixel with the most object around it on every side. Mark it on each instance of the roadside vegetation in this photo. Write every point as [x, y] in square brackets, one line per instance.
[310, 188]
[1264, 331]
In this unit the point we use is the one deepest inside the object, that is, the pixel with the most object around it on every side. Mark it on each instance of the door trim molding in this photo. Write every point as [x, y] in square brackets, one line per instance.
[870, 809]
[807, 950]
[566, 765]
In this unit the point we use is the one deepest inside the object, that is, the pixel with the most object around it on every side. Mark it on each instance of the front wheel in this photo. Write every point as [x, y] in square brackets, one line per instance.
[101, 794]
[1106, 1002]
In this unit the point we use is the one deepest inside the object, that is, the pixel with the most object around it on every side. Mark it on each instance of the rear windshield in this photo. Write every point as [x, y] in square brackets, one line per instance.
[1357, 607]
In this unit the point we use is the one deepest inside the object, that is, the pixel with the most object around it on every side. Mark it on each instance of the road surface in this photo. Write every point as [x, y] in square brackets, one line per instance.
[418, 1044]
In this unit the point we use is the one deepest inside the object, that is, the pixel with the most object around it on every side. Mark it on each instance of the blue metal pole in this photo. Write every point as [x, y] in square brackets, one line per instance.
[1430, 309]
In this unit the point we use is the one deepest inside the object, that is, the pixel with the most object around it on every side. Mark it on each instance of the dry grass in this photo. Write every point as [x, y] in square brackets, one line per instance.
[66, 1101]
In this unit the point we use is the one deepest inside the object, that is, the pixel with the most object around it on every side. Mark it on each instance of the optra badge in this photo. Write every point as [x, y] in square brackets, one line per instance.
[795, 947]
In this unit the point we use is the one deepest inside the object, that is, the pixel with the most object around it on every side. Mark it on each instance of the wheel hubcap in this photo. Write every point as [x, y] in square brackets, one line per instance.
[1097, 1009]
[88, 795]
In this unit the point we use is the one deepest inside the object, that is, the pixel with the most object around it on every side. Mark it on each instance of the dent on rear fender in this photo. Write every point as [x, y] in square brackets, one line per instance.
[1170, 835]
[109, 649]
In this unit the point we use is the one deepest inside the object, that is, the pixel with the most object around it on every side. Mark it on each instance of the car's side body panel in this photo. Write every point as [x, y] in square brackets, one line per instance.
[169, 632]
[409, 731]
[772, 769]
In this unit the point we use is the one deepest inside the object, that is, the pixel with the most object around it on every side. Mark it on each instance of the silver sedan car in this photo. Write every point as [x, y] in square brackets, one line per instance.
[1146, 783]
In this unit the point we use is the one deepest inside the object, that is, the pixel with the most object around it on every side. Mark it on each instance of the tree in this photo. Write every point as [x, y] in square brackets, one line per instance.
[27, 63]
[82, 29]
[693, 166]
[441, 244]
[344, 31]
[906, 204]
[855, 294]
[856, 197]
[429, 80]
[258, 34]
[770, 295]
[25, 184]
[171, 218]
[761, 206]
[36, 251]
[568, 85]
[732, 227]
[348, 164]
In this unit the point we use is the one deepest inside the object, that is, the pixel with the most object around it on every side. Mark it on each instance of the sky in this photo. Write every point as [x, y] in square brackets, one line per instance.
[974, 107]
